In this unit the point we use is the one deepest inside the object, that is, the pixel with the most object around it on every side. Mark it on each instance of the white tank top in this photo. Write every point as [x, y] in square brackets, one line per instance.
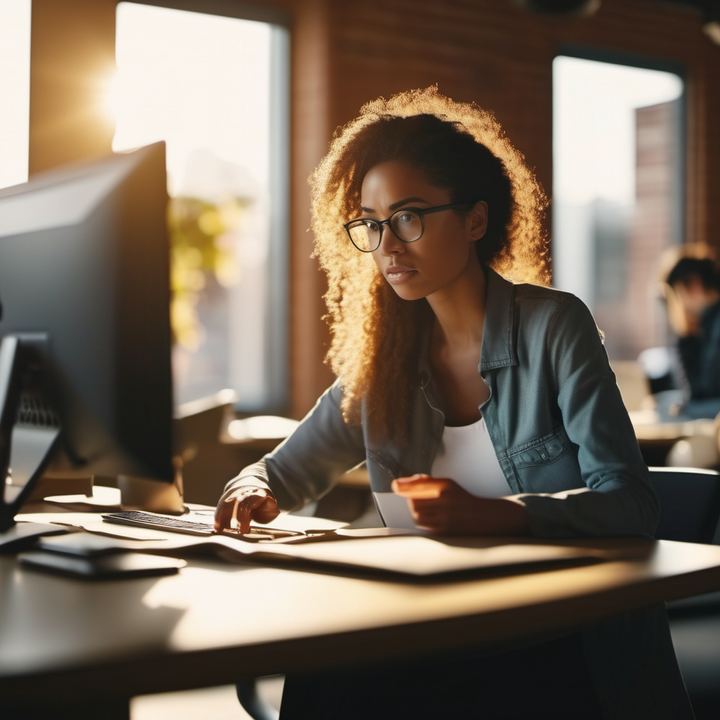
[466, 455]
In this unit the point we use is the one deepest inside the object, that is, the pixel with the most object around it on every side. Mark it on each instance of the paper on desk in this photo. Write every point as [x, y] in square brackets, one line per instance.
[384, 550]
[103, 499]
[394, 509]
[156, 539]
[409, 555]
[93, 522]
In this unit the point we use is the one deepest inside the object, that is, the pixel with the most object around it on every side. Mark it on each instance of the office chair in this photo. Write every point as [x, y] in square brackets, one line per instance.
[690, 507]
[689, 503]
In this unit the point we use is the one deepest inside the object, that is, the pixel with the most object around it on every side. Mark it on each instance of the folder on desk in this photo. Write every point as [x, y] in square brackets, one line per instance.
[411, 556]
[403, 553]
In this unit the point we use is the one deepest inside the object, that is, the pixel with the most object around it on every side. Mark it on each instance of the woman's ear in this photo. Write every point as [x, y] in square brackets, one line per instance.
[478, 220]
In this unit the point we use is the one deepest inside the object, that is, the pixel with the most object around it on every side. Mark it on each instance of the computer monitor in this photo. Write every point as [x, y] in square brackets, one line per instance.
[85, 359]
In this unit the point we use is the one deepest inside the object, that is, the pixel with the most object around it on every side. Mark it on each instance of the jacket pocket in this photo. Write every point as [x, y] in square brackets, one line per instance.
[541, 451]
[546, 464]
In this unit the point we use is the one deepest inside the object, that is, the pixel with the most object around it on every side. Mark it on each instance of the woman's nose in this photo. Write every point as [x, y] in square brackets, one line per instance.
[390, 244]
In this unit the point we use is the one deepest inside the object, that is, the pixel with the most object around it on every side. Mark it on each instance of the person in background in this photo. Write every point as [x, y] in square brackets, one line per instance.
[478, 397]
[694, 312]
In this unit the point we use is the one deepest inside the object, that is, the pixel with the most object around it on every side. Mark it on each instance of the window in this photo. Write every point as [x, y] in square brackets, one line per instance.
[617, 193]
[14, 91]
[215, 90]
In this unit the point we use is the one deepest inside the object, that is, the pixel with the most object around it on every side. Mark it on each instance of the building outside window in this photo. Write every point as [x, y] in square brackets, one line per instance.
[617, 193]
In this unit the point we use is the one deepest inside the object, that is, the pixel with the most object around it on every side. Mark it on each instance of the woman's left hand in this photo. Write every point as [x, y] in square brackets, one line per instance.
[442, 506]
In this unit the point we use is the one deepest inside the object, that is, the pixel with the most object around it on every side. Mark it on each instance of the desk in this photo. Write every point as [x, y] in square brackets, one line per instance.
[87, 645]
[649, 426]
[656, 437]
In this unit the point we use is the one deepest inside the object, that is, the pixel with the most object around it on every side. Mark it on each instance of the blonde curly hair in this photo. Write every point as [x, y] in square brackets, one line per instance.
[458, 146]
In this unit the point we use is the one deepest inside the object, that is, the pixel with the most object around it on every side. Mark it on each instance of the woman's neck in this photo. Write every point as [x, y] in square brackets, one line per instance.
[460, 310]
[456, 346]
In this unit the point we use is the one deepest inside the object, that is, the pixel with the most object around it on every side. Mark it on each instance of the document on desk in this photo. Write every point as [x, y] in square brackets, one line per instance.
[94, 522]
[411, 556]
[404, 553]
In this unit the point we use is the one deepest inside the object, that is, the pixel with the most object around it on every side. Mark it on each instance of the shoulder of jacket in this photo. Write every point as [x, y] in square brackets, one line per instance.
[556, 310]
[526, 293]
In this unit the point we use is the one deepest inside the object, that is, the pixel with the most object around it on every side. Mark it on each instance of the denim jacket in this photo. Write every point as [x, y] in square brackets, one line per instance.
[555, 417]
[566, 445]
[700, 361]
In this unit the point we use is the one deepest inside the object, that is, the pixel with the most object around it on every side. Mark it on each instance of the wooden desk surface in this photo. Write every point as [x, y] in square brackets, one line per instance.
[649, 427]
[217, 623]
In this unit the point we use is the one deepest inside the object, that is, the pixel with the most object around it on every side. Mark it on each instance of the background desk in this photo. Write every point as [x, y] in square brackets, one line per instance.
[658, 437]
[92, 646]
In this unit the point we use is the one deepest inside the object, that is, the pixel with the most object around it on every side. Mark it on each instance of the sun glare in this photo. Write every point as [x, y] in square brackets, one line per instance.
[195, 81]
[206, 85]
[594, 135]
[15, 91]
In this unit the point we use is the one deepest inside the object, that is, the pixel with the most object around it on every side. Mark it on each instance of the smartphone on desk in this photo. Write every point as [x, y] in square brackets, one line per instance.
[85, 544]
[100, 566]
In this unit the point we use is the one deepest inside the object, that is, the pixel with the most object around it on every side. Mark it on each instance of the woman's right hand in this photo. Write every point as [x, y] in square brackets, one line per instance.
[239, 505]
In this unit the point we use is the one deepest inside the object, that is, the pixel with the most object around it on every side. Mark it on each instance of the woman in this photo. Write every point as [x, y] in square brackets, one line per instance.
[487, 404]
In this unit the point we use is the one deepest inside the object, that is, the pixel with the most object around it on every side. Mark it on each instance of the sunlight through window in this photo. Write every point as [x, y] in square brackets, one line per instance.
[14, 91]
[617, 193]
[207, 86]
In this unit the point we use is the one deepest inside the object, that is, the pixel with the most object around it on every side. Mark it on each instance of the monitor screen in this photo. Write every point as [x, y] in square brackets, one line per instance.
[85, 359]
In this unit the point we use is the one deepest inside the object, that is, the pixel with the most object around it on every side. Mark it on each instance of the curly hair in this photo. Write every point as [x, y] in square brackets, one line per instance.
[459, 147]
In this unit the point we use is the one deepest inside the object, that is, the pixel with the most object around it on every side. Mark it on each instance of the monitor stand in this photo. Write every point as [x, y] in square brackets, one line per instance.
[29, 430]
[142, 494]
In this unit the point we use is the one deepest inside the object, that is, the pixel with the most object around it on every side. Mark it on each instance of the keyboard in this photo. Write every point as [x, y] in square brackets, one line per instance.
[139, 518]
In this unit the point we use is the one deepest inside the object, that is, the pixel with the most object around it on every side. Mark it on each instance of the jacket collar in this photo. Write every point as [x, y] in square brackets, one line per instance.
[498, 344]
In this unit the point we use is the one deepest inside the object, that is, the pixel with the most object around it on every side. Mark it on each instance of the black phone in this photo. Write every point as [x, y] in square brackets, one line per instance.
[101, 567]
[85, 544]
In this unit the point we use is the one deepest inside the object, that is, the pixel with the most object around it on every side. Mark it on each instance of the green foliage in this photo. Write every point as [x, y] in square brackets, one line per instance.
[203, 246]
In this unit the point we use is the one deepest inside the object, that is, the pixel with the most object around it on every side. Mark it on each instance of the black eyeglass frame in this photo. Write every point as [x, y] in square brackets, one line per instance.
[420, 212]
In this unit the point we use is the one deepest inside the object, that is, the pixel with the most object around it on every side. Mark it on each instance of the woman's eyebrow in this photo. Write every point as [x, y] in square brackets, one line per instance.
[398, 204]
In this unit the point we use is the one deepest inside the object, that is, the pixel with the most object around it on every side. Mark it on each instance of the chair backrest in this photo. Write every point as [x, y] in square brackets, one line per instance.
[689, 503]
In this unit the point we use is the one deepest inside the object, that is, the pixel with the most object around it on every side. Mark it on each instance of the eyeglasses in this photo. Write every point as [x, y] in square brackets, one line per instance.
[406, 224]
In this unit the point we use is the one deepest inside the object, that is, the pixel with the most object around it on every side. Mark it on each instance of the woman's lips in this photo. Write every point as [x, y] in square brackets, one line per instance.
[398, 274]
